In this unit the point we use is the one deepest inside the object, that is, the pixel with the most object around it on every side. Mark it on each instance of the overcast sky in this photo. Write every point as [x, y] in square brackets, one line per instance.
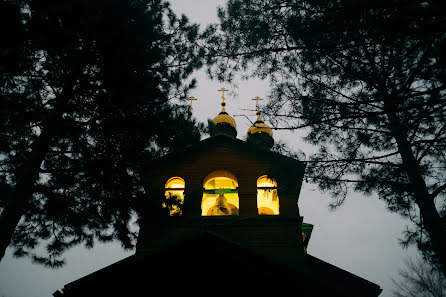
[360, 237]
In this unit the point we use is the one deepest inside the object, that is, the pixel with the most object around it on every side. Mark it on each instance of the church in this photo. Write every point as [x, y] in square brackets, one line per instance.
[232, 227]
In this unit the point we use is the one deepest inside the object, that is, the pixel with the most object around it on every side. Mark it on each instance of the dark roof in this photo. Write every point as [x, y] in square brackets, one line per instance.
[222, 140]
[337, 277]
[209, 264]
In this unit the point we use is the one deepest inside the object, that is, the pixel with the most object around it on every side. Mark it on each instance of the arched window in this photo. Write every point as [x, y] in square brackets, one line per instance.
[174, 192]
[267, 198]
[220, 194]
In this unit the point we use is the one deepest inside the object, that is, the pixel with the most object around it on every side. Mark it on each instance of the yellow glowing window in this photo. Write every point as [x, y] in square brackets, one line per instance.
[220, 195]
[267, 198]
[174, 193]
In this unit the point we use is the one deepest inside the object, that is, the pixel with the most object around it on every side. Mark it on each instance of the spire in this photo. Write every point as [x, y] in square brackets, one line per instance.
[224, 123]
[260, 133]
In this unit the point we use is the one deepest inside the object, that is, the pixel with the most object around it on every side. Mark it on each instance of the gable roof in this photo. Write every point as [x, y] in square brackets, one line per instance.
[207, 260]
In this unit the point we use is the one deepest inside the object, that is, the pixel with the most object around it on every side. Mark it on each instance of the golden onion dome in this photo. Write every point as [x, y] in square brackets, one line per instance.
[260, 127]
[224, 117]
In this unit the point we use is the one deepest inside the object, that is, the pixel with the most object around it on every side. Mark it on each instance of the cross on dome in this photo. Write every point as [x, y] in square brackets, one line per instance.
[260, 133]
[224, 123]
[223, 90]
[257, 98]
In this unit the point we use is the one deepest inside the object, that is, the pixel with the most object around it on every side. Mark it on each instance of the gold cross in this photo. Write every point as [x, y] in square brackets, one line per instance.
[223, 90]
[257, 98]
[191, 98]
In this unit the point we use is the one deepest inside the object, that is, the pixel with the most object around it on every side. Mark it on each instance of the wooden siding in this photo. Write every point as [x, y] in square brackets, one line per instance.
[277, 235]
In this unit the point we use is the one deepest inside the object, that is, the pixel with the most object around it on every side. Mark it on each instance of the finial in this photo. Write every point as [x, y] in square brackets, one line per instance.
[257, 98]
[191, 98]
[223, 90]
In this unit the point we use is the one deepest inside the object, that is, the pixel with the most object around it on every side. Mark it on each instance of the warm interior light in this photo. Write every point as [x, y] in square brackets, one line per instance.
[267, 198]
[220, 195]
[174, 192]
[304, 235]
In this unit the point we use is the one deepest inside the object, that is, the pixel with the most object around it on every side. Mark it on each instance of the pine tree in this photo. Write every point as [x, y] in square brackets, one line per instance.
[88, 90]
[367, 81]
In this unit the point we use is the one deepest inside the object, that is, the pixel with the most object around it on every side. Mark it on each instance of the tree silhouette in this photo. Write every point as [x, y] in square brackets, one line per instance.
[88, 90]
[419, 279]
[366, 81]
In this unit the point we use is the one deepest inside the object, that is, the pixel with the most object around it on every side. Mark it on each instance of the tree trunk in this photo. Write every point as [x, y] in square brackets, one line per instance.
[431, 218]
[29, 172]
[23, 189]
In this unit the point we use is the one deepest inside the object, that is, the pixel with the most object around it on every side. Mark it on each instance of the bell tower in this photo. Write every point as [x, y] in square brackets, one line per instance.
[238, 190]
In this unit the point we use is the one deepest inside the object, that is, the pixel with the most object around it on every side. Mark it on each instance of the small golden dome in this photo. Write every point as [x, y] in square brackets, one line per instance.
[224, 117]
[260, 127]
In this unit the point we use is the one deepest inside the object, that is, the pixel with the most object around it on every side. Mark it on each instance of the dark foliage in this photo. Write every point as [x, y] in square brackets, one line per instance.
[419, 279]
[88, 91]
[367, 81]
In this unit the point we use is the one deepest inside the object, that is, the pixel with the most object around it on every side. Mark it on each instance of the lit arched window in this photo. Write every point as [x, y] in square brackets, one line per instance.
[174, 193]
[267, 199]
[220, 195]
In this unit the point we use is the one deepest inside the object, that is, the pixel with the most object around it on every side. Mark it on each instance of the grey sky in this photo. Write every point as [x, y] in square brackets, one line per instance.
[361, 237]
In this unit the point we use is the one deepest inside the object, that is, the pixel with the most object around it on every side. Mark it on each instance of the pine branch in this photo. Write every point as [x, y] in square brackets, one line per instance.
[438, 191]
[358, 160]
[432, 142]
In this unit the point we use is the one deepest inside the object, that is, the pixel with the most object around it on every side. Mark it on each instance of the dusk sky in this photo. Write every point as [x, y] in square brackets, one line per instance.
[360, 237]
